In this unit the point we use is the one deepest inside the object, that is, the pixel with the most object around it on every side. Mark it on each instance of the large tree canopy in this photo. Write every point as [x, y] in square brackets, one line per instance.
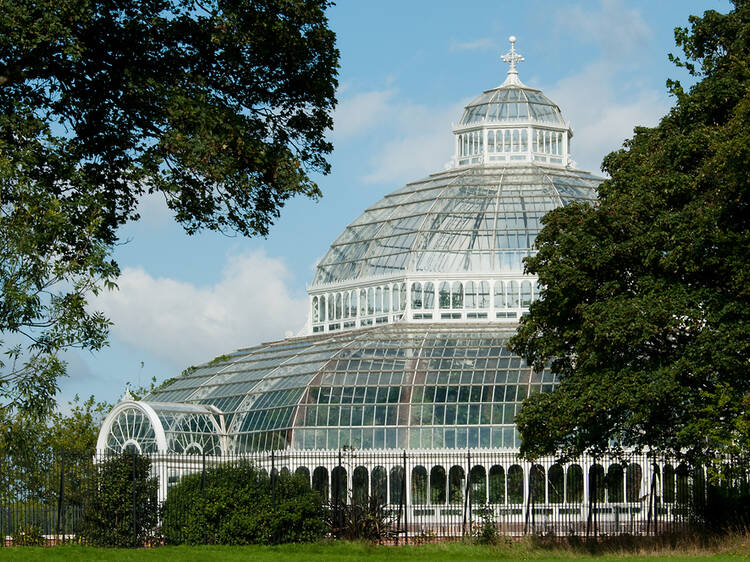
[220, 106]
[645, 309]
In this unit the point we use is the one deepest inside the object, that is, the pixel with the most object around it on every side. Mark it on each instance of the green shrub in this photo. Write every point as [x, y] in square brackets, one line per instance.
[30, 535]
[235, 505]
[360, 522]
[124, 488]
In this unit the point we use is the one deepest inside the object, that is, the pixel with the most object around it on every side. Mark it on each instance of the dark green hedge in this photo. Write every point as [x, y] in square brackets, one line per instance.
[238, 504]
[124, 489]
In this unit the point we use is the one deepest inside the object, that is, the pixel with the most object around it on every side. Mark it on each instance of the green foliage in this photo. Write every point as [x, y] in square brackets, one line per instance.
[33, 450]
[366, 521]
[237, 504]
[29, 535]
[125, 490]
[645, 308]
[221, 109]
[486, 531]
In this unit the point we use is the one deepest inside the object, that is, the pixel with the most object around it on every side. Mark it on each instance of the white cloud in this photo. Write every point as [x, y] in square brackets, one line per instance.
[360, 112]
[619, 30]
[484, 43]
[185, 324]
[601, 117]
[404, 140]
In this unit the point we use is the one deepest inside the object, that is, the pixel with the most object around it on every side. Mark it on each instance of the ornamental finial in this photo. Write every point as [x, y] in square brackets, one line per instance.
[512, 58]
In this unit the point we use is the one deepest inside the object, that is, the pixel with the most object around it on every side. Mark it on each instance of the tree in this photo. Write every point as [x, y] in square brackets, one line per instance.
[645, 308]
[220, 107]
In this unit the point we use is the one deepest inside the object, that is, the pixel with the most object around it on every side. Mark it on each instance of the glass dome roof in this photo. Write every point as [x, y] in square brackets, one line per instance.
[512, 104]
[478, 219]
[391, 386]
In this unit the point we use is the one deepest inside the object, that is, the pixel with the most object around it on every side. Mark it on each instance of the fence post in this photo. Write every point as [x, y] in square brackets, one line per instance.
[406, 504]
[203, 493]
[273, 478]
[135, 524]
[60, 499]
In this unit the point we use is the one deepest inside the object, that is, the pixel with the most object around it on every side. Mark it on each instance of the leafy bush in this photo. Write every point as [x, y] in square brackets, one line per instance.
[359, 522]
[237, 504]
[125, 488]
[30, 535]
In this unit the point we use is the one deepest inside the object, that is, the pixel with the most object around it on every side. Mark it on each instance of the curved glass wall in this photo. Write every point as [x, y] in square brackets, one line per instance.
[418, 386]
[477, 219]
[512, 104]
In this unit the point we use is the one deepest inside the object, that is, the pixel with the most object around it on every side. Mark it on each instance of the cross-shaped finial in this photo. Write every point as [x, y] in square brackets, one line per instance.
[512, 57]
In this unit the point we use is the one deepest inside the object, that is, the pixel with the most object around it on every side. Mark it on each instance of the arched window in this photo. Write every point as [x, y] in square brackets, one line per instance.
[574, 484]
[322, 308]
[515, 140]
[478, 485]
[539, 483]
[555, 484]
[386, 299]
[456, 482]
[370, 301]
[416, 296]
[315, 309]
[331, 307]
[483, 300]
[682, 475]
[491, 141]
[497, 484]
[304, 473]
[668, 483]
[457, 298]
[429, 296]
[499, 294]
[633, 476]
[359, 486]
[379, 484]
[346, 304]
[338, 484]
[515, 484]
[596, 482]
[395, 299]
[524, 140]
[378, 300]
[506, 146]
[525, 294]
[614, 484]
[320, 481]
[353, 305]
[444, 295]
[397, 484]
[470, 296]
[559, 144]
[437, 485]
[419, 485]
[402, 298]
[338, 306]
[513, 297]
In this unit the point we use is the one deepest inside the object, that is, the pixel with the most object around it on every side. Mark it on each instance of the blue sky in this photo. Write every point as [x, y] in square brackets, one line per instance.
[407, 69]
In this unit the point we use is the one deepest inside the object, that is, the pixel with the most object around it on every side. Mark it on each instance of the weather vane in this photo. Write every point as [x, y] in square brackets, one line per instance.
[512, 57]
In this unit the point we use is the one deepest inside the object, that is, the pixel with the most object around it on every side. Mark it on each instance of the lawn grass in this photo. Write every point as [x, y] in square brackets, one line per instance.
[735, 548]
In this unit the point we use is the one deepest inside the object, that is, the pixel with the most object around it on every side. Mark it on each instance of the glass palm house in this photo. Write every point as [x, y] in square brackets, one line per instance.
[409, 312]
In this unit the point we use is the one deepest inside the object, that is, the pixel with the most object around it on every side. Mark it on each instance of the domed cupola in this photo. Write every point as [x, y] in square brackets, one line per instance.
[449, 248]
[512, 123]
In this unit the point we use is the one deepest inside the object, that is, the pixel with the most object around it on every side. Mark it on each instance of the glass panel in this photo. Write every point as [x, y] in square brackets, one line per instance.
[370, 301]
[499, 294]
[555, 484]
[386, 299]
[322, 309]
[416, 296]
[429, 296]
[437, 485]
[315, 309]
[525, 294]
[445, 295]
[615, 492]
[497, 484]
[484, 295]
[457, 299]
[471, 295]
[574, 484]
[338, 306]
[378, 300]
